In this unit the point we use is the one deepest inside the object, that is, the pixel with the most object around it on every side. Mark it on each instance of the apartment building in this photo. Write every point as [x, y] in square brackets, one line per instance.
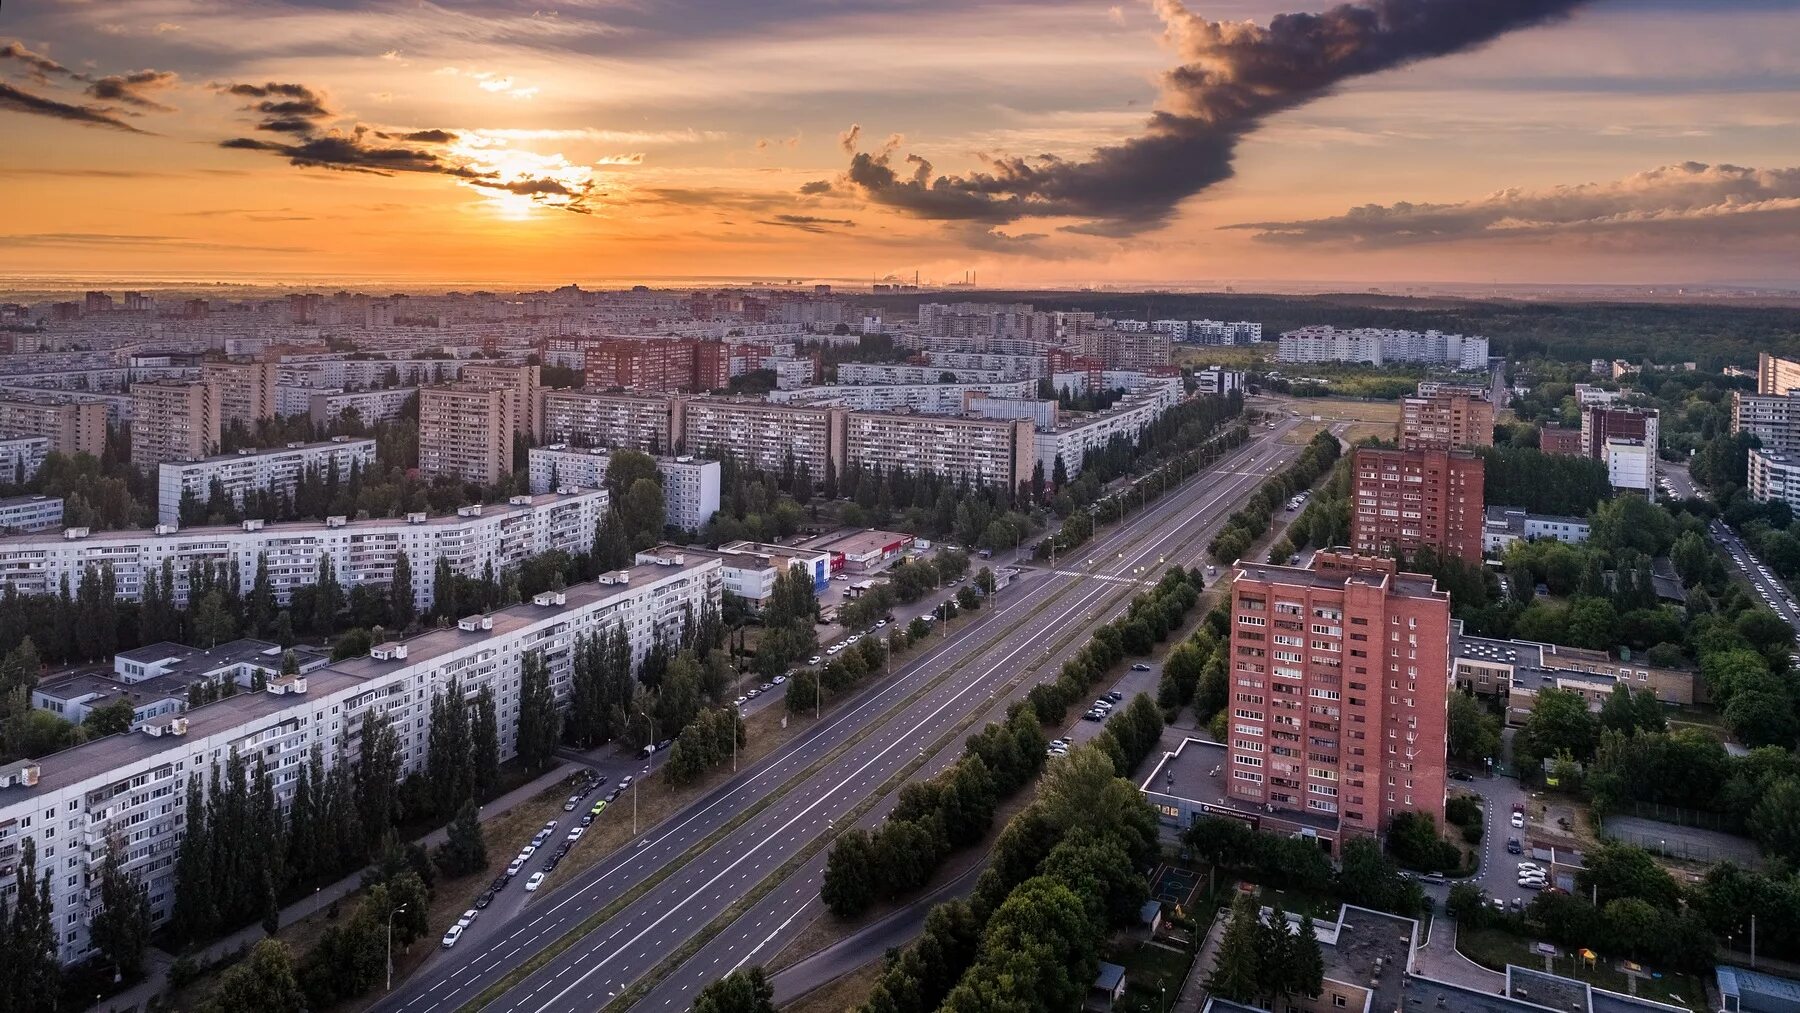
[1380, 346]
[764, 435]
[1446, 420]
[1075, 436]
[31, 513]
[1557, 440]
[985, 452]
[246, 390]
[466, 432]
[936, 398]
[1776, 376]
[73, 423]
[21, 457]
[1011, 367]
[645, 364]
[362, 552]
[904, 373]
[1218, 380]
[690, 485]
[276, 470]
[1774, 419]
[173, 420]
[522, 386]
[1408, 499]
[128, 788]
[371, 406]
[1774, 477]
[1340, 692]
[1141, 350]
[1601, 423]
[651, 423]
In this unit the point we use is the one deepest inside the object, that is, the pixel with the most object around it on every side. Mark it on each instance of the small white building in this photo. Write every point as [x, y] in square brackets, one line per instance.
[31, 513]
[1631, 464]
[1505, 525]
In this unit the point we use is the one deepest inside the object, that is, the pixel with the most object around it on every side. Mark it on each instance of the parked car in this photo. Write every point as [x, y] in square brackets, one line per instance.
[765, 687]
[780, 679]
[753, 693]
[1513, 847]
[1115, 696]
[1518, 821]
[1093, 715]
[575, 834]
[513, 867]
[1140, 667]
[813, 660]
[452, 936]
[569, 806]
[1461, 775]
[486, 898]
[536, 880]
[467, 917]
[740, 701]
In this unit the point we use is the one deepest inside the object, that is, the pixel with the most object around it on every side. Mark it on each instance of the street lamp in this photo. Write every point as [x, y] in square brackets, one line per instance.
[390, 946]
[649, 745]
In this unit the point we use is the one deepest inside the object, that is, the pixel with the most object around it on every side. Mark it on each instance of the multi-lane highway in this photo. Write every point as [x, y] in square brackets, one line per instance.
[698, 871]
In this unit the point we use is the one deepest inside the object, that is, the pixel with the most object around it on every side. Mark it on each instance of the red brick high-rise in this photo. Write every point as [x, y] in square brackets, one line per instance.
[1408, 499]
[1340, 682]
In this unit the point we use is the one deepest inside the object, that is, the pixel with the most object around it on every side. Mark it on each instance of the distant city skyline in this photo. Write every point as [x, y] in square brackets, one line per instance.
[1481, 142]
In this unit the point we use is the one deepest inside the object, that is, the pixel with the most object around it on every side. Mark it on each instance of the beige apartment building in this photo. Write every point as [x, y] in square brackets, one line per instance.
[622, 421]
[72, 423]
[985, 452]
[466, 432]
[246, 390]
[763, 435]
[524, 392]
[173, 420]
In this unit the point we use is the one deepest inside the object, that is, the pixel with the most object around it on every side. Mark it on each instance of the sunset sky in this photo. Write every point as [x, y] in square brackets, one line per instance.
[536, 141]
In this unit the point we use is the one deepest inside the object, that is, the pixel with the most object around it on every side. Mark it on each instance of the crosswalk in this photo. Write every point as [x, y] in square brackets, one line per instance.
[1105, 577]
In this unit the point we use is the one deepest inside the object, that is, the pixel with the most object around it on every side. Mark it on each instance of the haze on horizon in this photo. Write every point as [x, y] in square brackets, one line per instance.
[1055, 142]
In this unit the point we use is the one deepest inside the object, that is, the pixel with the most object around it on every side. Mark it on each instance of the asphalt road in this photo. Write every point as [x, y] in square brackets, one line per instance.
[1182, 527]
[1761, 579]
[638, 937]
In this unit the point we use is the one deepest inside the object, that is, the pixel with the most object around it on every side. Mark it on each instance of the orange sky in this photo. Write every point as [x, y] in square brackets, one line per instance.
[686, 132]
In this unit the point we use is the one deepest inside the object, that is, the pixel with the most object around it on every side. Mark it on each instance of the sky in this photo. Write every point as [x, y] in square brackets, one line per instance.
[1052, 142]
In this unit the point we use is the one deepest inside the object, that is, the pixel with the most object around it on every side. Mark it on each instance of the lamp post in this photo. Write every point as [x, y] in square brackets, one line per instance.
[390, 946]
[649, 744]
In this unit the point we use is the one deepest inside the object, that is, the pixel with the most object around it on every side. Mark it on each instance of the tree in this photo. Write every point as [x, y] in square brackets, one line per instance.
[401, 604]
[1474, 733]
[111, 719]
[849, 886]
[1775, 822]
[745, 991]
[120, 930]
[464, 849]
[484, 735]
[540, 723]
[374, 804]
[195, 913]
[264, 981]
[1236, 967]
[31, 973]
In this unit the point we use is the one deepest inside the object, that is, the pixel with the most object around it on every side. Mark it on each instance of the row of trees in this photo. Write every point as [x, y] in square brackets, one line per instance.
[1265, 960]
[1148, 621]
[1251, 521]
[1544, 483]
[1364, 876]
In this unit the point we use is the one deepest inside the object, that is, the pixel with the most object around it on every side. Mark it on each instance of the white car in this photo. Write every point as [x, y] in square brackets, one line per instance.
[1518, 821]
[815, 659]
[452, 936]
[739, 702]
[467, 918]
[536, 880]
[778, 680]
[513, 867]
[575, 834]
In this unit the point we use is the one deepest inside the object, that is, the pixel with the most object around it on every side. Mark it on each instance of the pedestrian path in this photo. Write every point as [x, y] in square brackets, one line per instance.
[157, 962]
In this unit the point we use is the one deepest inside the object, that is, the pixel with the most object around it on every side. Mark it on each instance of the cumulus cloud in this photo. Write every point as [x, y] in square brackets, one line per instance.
[38, 66]
[1233, 77]
[816, 186]
[847, 140]
[285, 108]
[1675, 202]
[20, 101]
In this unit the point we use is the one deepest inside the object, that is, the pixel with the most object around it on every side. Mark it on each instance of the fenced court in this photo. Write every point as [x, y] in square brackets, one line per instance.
[1174, 886]
[1689, 843]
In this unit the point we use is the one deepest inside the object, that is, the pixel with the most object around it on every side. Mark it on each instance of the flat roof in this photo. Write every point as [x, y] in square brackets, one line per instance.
[1195, 773]
[1415, 584]
[96, 684]
[8, 501]
[271, 451]
[309, 527]
[856, 542]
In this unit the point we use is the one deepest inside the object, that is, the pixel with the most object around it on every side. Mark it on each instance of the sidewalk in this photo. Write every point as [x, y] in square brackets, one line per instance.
[1438, 959]
[157, 961]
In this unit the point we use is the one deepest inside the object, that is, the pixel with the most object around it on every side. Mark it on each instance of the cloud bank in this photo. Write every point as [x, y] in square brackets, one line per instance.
[1233, 77]
[1673, 202]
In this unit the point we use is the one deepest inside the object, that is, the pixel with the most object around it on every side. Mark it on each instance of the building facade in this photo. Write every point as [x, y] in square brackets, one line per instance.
[765, 436]
[522, 387]
[73, 424]
[983, 452]
[127, 789]
[466, 432]
[647, 422]
[1380, 346]
[246, 390]
[1340, 679]
[1776, 376]
[1409, 499]
[21, 457]
[1505, 525]
[173, 420]
[472, 541]
[690, 485]
[1774, 477]
[1446, 420]
[1774, 419]
[248, 470]
[31, 513]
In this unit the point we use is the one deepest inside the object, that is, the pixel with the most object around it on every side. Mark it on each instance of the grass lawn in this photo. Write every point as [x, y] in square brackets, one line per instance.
[1148, 966]
[1496, 947]
[1300, 902]
[1231, 357]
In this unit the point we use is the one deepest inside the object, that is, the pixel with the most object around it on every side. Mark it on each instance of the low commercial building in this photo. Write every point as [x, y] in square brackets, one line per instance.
[249, 470]
[750, 568]
[1513, 672]
[157, 678]
[1218, 380]
[862, 552]
[362, 552]
[690, 485]
[31, 513]
[125, 790]
[1504, 525]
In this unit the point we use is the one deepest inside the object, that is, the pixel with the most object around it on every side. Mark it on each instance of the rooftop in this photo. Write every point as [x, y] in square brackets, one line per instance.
[269, 451]
[1496, 513]
[1195, 773]
[1417, 585]
[1738, 982]
[856, 543]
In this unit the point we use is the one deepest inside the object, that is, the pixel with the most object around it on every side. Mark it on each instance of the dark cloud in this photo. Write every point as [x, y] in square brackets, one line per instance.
[1233, 77]
[36, 105]
[39, 66]
[285, 108]
[422, 137]
[1673, 203]
[129, 88]
[816, 186]
[809, 223]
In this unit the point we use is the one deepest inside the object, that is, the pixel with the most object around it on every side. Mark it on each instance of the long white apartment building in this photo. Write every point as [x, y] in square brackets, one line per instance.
[361, 552]
[976, 450]
[363, 373]
[21, 457]
[764, 435]
[1010, 367]
[690, 485]
[1075, 435]
[371, 406]
[628, 421]
[130, 787]
[937, 398]
[1774, 477]
[1773, 419]
[894, 372]
[277, 470]
[1379, 346]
